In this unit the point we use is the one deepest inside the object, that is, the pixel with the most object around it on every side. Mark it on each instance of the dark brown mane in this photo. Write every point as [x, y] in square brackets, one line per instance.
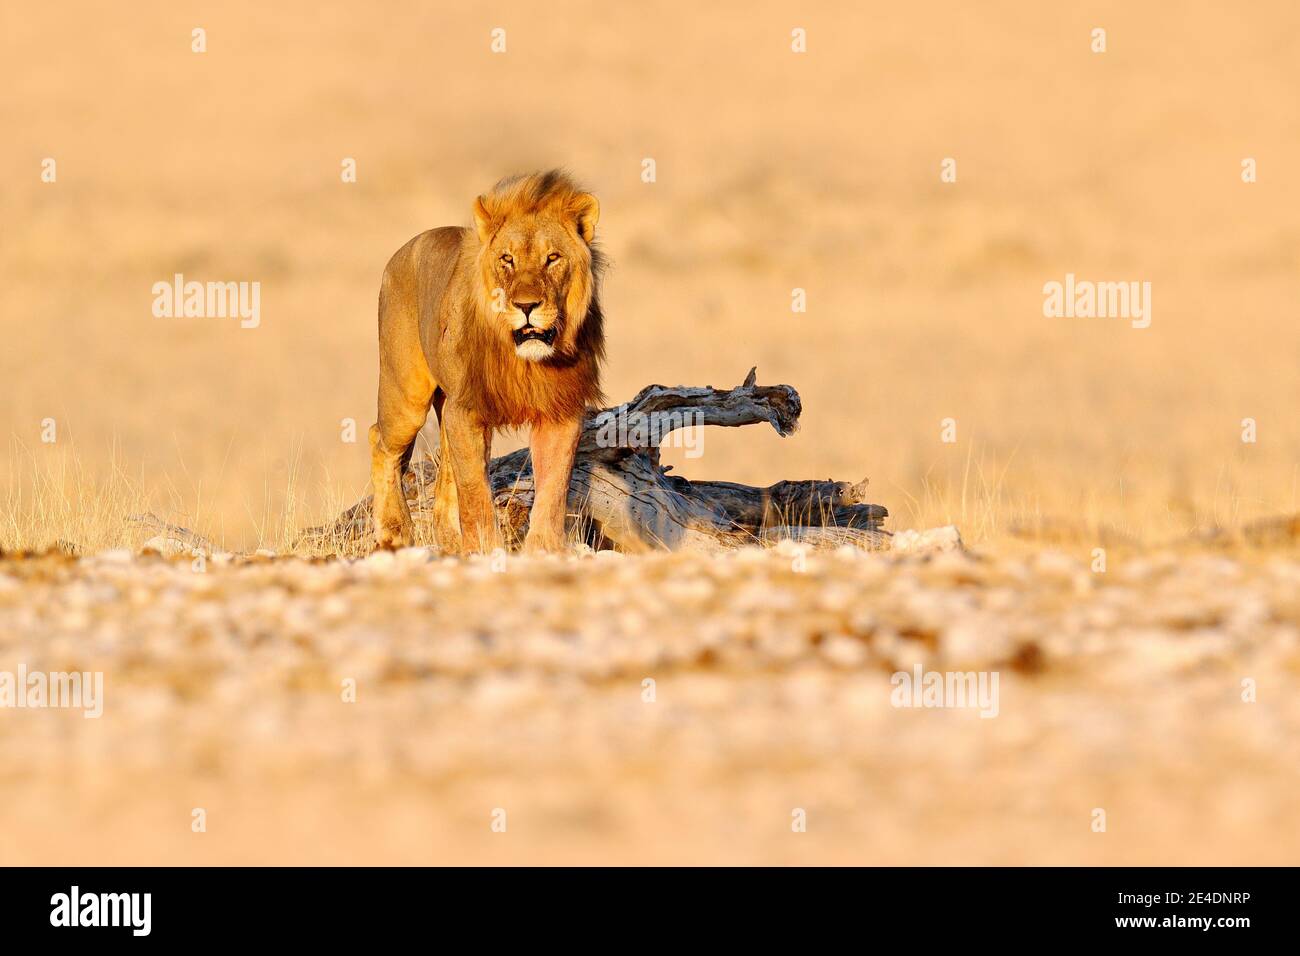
[505, 390]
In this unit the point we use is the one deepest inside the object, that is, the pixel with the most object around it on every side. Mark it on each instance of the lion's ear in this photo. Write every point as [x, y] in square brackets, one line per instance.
[482, 219]
[587, 212]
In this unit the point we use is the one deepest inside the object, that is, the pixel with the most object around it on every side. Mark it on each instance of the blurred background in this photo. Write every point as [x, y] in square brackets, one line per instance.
[775, 170]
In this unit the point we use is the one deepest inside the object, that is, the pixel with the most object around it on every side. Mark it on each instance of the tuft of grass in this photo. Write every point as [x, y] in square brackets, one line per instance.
[51, 499]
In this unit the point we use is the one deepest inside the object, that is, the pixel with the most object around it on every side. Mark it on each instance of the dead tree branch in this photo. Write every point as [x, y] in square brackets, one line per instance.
[622, 497]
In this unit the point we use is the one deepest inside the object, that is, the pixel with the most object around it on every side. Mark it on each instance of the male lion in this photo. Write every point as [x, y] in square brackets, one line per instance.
[495, 326]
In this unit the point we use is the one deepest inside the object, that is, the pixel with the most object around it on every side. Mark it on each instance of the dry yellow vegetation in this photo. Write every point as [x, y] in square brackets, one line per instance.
[775, 171]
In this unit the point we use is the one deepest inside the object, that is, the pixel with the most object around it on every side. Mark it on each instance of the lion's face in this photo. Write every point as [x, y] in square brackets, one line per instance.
[532, 263]
[537, 270]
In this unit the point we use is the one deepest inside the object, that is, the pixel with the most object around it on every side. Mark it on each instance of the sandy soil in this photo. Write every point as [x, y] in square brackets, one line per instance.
[520, 687]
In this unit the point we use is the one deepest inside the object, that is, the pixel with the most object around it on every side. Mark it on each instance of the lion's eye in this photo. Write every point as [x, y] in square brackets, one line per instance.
[553, 257]
[507, 259]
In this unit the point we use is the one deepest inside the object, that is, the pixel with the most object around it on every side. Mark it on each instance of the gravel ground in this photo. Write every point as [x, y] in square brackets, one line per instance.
[502, 710]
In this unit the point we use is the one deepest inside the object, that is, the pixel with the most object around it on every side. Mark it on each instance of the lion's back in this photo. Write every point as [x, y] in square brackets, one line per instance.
[416, 280]
[430, 257]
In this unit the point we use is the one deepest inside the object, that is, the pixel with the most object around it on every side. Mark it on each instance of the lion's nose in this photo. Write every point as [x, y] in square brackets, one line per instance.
[526, 307]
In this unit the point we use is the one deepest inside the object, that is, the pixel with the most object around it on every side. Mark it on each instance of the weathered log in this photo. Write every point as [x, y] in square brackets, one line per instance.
[621, 497]
[166, 531]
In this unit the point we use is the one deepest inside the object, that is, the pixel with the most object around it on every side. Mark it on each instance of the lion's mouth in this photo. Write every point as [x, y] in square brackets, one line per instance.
[531, 333]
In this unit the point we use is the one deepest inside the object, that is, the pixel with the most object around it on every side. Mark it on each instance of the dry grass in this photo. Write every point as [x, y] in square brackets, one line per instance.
[775, 172]
[52, 497]
[818, 172]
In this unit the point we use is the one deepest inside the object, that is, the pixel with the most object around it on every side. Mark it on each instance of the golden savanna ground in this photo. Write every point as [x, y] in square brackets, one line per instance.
[775, 171]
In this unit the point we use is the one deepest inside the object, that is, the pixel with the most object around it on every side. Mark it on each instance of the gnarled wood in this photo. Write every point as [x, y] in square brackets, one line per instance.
[622, 497]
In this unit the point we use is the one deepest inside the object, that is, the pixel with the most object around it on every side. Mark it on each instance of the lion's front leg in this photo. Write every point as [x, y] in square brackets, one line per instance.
[467, 446]
[446, 510]
[392, 516]
[552, 446]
